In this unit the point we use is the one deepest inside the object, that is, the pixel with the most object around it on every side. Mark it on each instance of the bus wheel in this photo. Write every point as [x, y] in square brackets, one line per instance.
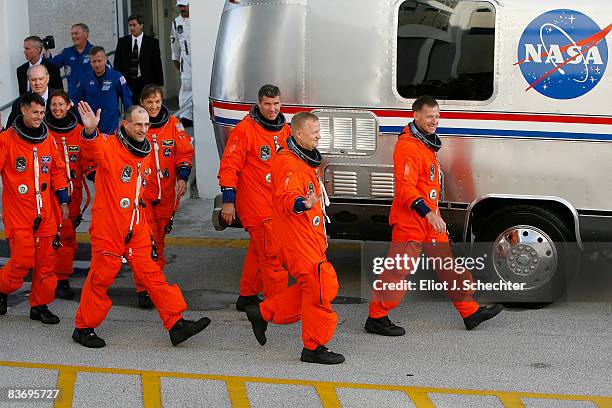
[530, 246]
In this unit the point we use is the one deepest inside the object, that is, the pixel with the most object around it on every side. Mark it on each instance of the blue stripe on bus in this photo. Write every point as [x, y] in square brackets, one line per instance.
[480, 132]
[507, 133]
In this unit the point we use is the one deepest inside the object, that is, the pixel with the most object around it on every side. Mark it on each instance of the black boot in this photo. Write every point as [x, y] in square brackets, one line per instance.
[43, 315]
[144, 301]
[321, 355]
[63, 290]
[87, 338]
[184, 329]
[482, 314]
[244, 301]
[257, 321]
[3, 303]
[383, 326]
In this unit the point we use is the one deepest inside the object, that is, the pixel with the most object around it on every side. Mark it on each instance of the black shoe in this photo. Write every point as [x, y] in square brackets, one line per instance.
[87, 338]
[257, 322]
[3, 303]
[482, 314]
[383, 326]
[184, 329]
[63, 290]
[43, 315]
[244, 301]
[144, 301]
[321, 355]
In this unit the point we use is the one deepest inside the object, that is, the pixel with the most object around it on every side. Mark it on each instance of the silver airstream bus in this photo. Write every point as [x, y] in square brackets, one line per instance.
[526, 101]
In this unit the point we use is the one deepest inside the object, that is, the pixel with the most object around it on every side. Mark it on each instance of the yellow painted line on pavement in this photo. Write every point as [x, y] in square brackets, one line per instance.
[65, 384]
[511, 400]
[420, 399]
[151, 390]
[236, 387]
[328, 395]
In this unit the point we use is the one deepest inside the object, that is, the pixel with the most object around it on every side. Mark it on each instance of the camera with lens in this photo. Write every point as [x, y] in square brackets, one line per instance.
[48, 42]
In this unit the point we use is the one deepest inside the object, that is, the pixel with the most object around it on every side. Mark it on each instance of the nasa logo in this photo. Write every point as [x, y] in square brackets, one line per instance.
[563, 54]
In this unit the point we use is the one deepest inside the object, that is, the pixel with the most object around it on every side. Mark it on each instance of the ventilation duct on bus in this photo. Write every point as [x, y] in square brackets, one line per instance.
[347, 133]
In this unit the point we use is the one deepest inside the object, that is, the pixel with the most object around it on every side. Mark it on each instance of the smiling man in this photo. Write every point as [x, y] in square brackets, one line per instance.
[417, 225]
[300, 240]
[119, 228]
[103, 88]
[244, 177]
[75, 59]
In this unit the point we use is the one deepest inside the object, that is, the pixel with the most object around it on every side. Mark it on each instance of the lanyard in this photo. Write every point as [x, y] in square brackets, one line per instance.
[67, 160]
[135, 209]
[157, 167]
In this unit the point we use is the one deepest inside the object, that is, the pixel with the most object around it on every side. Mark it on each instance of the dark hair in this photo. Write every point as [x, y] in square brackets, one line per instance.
[300, 118]
[29, 98]
[138, 17]
[82, 26]
[61, 93]
[270, 91]
[36, 40]
[149, 90]
[96, 49]
[424, 100]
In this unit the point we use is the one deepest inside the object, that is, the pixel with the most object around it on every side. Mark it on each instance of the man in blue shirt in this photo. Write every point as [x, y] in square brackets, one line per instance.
[101, 88]
[75, 59]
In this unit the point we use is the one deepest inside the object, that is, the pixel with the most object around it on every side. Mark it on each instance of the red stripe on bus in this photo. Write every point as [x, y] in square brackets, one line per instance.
[511, 117]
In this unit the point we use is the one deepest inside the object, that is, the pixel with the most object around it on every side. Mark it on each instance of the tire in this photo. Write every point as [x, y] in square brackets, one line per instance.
[527, 244]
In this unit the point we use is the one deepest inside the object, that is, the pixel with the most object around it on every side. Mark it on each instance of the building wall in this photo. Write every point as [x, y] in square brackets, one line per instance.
[13, 29]
[52, 17]
[205, 18]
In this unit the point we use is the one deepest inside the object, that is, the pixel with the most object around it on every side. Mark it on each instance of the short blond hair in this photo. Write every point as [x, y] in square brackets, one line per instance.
[300, 119]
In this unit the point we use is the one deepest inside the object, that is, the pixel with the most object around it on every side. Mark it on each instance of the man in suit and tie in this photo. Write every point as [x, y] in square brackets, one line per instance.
[138, 58]
[32, 49]
[38, 78]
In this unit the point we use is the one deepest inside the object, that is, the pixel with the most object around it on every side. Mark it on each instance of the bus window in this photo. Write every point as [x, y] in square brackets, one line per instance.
[446, 49]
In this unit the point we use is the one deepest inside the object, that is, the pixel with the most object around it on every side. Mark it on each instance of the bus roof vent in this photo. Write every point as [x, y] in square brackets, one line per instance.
[347, 132]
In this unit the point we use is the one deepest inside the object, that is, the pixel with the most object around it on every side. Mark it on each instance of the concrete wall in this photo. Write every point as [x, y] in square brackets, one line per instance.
[52, 17]
[13, 29]
[205, 18]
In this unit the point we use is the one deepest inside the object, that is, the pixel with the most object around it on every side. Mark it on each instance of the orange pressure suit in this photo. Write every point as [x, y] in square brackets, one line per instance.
[119, 228]
[31, 169]
[418, 182]
[301, 242]
[68, 140]
[171, 160]
[245, 169]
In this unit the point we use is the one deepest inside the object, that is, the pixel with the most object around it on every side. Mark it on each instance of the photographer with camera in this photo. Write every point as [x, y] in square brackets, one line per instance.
[75, 59]
[32, 49]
